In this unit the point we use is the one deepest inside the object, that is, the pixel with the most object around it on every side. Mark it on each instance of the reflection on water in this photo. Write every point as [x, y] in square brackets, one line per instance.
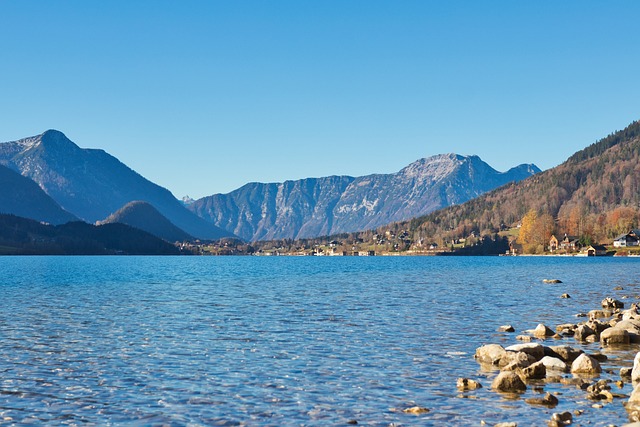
[281, 341]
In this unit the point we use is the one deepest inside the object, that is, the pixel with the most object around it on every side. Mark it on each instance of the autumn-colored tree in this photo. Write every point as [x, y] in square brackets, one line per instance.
[527, 229]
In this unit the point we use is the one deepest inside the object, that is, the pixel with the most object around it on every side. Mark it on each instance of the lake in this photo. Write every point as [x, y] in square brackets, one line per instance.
[282, 341]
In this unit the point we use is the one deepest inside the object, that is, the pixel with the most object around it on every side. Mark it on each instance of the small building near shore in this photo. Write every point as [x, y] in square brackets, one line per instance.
[596, 250]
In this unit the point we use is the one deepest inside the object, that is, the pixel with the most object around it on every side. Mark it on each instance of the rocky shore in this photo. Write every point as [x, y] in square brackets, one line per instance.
[587, 365]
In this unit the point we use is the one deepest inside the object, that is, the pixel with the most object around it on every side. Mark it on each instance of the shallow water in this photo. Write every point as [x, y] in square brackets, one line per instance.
[283, 341]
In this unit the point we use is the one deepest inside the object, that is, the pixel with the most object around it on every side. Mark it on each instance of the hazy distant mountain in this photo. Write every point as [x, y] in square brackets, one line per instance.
[142, 215]
[22, 197]
[25, 236]
[93, 184]
[322, 206]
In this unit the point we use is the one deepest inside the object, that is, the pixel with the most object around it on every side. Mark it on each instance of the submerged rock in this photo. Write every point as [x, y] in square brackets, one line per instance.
[416, 410]
[548, 400]
[551, 281]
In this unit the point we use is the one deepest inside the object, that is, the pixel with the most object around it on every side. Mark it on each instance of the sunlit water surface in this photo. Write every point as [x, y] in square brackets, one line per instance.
[283, 341]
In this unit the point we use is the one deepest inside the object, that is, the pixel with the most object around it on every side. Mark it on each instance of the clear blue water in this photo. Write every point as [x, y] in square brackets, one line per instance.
[283, 341]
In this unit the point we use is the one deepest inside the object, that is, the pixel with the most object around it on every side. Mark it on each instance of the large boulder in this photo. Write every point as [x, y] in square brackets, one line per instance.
[635, 372]
[542, 331]
[585, 364]
[582, 332]
[515, 360]
[534, 349]
[508, 382]
[610, 303]
[565, 352]
[555, 364]
[490, 354]
[613, 336]
[633, 404]
[536, 371]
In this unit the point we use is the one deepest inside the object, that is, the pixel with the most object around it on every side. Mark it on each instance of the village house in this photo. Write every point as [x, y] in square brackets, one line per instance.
[596, 250]
[569, 243]
[553, 243]
[625, 240]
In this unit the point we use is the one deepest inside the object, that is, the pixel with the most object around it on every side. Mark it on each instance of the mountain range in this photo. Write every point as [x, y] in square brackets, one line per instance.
[335, 204]
[594, 195]
[91, 184]
[23, 197]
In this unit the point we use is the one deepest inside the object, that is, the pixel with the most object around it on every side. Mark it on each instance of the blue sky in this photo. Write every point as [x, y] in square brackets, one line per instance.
[204, 96]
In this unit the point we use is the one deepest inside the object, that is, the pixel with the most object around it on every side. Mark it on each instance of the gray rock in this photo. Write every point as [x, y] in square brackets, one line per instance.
[551, 281]
[506, 328]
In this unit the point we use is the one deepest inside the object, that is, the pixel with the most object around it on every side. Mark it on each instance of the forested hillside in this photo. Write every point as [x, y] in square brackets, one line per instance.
[593, 195]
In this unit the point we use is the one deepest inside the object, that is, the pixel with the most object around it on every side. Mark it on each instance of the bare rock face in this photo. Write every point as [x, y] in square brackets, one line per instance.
[508, 382]
[323, 206]
[585, 364]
